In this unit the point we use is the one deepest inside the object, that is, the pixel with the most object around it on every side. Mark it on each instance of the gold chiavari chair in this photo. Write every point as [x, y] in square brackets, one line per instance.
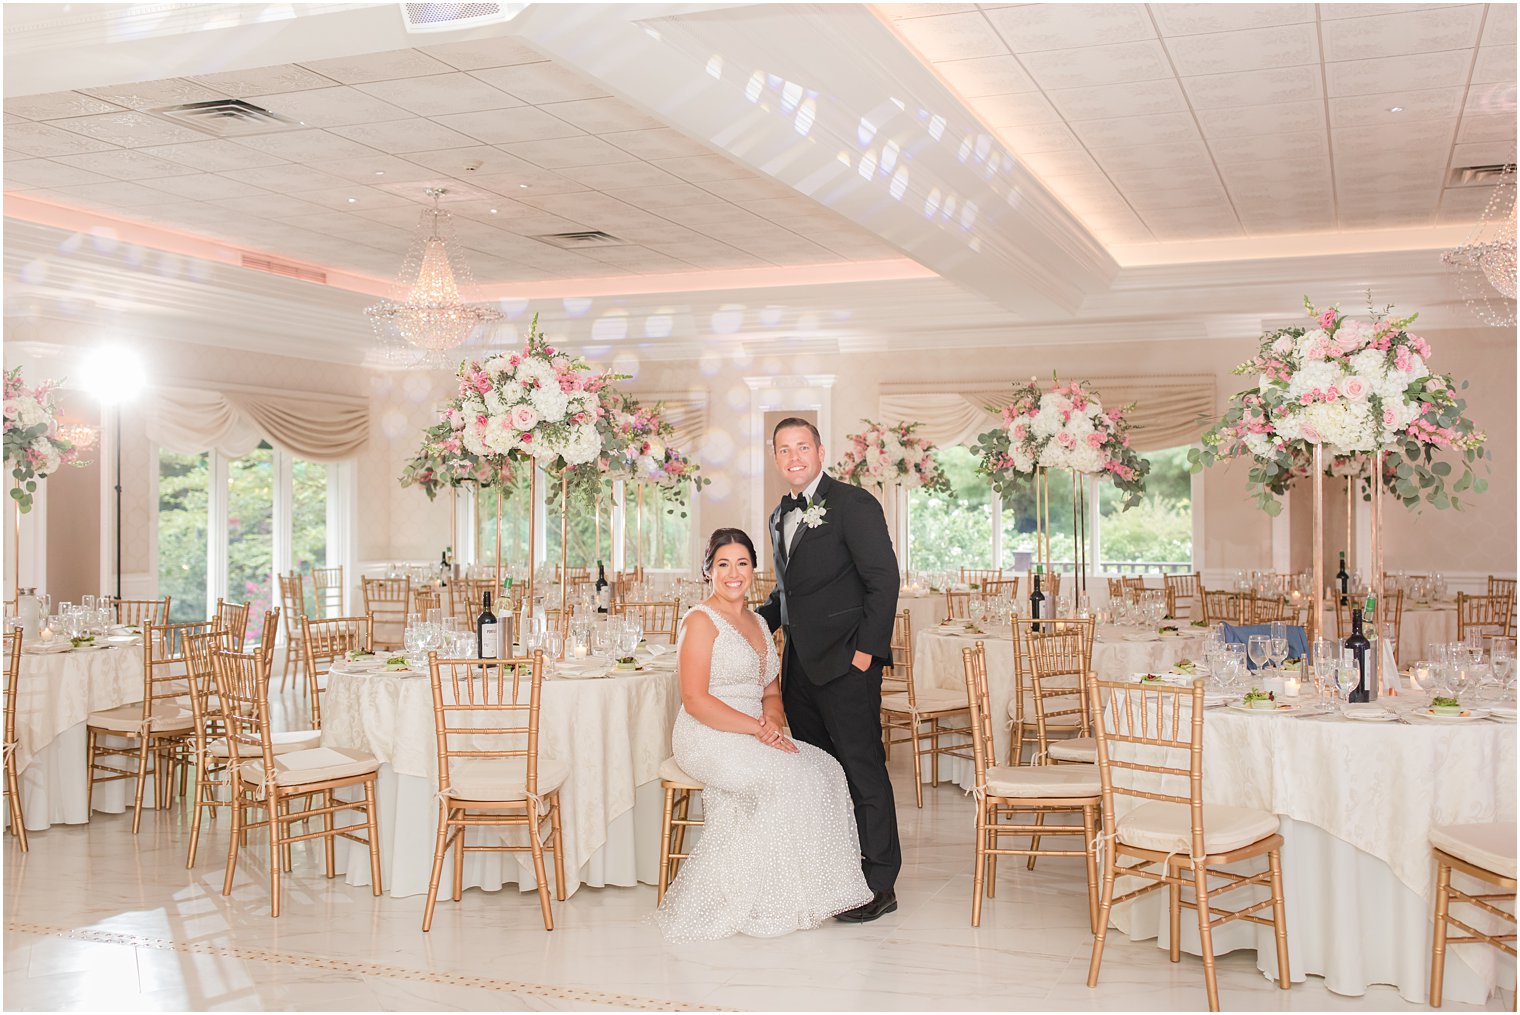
[327, 590]
[1489, 615]
[233, 619]
[1003, 791]
[292, 609]
[1175, 840]
[1183, 589]
[1050, 584]
[1485, 852]
[138, 612]
[425, 598]
[1116, 592]
[265, 780]
[161, 725]
[1132, 584]
[958, 604]
[976, 577]
[761, 588]
[1023, 733]
[13, 639]
[325, 642]
[571, 574]
[386, 601]
[1225, 607]
[1500, 587]
[660, 617]
[680, 790]
[1059, 656]
[490, 775]
[1002, 587]
[466, 595]
[910, 710]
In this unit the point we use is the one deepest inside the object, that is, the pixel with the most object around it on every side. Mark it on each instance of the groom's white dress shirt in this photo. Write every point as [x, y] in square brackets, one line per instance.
[793, 519]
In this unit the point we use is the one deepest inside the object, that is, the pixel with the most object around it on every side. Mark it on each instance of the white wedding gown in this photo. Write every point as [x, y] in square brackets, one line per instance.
[779, 851]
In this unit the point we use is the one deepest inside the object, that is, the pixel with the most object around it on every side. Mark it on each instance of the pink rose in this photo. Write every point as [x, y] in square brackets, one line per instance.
[524, 417]
[1355, 388]
[1332, 394]
[1327, 318]
[1095, 440]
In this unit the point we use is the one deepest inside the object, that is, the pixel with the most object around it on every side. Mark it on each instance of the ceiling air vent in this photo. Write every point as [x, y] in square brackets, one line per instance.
[226, 117]
[582, 240]
[258, 262]
[451, 17]
[1478, 176]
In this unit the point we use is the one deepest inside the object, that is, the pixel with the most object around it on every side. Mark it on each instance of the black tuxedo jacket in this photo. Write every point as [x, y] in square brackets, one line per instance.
[839, 583]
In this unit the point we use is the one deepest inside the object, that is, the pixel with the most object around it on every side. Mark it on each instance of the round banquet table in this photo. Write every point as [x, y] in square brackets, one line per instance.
[614, 732]
[1356, 801]
[1117, 651]
[55, 694]
[925, 609]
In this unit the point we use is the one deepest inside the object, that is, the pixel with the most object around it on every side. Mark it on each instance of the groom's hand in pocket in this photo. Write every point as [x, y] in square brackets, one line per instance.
[862, 661]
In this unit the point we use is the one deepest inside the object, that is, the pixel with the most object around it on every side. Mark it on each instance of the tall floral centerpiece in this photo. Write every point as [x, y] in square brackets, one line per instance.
[1351, 389]
[1062, 427]
[894, 460]
[537, 406]
[34, 448]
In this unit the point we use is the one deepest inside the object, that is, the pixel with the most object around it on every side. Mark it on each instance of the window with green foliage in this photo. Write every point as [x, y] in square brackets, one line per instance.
[1018, 524]
[250, 534]
[308, 502]
[1158, 532]
[514, 523]
[950, 531]
[663, 541]
[184, 484]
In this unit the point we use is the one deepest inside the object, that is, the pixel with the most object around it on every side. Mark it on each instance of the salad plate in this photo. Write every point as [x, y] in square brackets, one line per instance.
[1466, 715]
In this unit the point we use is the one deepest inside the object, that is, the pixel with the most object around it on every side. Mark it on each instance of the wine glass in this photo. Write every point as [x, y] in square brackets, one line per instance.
[1258, 649]
[1502, 658]
[1279, 643]
[1325, 658]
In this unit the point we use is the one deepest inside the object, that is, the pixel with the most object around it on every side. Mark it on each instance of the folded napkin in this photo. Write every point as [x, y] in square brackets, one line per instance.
[655, 651]
[46, 648]
[1503, 711]
[1375, 713]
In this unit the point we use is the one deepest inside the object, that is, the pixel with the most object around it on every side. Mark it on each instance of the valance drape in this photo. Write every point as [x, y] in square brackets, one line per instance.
[317, 427]
[687, 416]
[1169, 411]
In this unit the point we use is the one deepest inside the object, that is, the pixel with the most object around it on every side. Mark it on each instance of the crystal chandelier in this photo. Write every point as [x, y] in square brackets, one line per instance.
[1485, 263]
[427, 312]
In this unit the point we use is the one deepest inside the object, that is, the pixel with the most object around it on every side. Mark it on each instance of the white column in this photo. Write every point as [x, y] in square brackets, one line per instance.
[216, 532]
[284, 518]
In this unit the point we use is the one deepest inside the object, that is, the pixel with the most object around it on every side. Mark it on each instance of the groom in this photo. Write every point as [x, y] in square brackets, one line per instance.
[836, 596]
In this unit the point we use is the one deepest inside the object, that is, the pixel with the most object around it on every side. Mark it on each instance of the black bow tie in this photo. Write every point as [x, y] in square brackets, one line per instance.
[793, 502]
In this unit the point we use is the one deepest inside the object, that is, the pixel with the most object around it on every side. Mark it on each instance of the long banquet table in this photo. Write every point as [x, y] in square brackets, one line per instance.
[614, 732]
[1356, 801]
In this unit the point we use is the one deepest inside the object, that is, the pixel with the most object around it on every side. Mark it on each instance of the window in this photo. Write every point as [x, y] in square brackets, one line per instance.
[587, 545]
[184, 483]
[514, 523]
[950, 531]
[250, 534]
[659, 536]
[1157, 533]
[308, 501]
[1018, 526]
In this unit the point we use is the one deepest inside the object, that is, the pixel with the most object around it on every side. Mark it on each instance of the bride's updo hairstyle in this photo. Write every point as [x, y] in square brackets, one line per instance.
[726, 537]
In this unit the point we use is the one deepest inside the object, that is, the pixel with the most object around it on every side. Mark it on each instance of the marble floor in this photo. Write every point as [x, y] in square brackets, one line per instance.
[98, 919]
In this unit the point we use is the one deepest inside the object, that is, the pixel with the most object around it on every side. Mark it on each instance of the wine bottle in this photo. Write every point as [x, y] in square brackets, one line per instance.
[1374, 649]
[507, 621]
[1358, 646]
[443, 567]
[603, 590]
[1036, 601]
[487, 632]
[1344, 580]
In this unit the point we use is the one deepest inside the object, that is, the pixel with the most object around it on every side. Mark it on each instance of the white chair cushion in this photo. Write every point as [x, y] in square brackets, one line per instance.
[927, 701]
[503, 778]
[672, 772]
[317, 764]
[1075, 749]
[1164, 827]
[167, 718]
[1490, 846]
[1034, 781]
[287, 742]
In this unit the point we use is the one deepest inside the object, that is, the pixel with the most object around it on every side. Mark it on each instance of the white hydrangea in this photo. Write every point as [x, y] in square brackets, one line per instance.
[500, 435]
[582, 446]
[1047, 421]
[1086, 459]
[472, 441]
[1309, 340]
[1260, 444]
[1313, 374]
[550, 402]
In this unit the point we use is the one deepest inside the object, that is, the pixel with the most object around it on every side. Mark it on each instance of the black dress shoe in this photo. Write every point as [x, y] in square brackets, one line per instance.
[880, 905]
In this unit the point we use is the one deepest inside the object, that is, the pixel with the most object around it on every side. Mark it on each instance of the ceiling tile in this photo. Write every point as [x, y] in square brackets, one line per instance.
[267, 205]
[1039, 137]
[203, 187]
[262, 80]
[44, 140]
[1254, 87]
[482, 53]
[952, 36]
[1099, 65]
[1380, 140]
[1296, 171]
[987, 75]
[329, 107]
[656, 198]
[659, 143]
[1136, 98]
[128, 130]
[1499, 25]
[1198, 172]
[1336, 12]
[471, 163]
[1495, 64]
[1152, 156]
[125, 165]
[1425, 31]
[1046, 165]
[563, 153]
[287, 178]
[357, 198]
[1146, 201]
[119, 195]
[1257, 49]
[507, 126]
[1492, 98]
[897, 12]
[307, 146]
[1475, 127]
[1269, 147]
[602, 116]
[535, 181]
[749, 191]
[1391, 73]
[1281, 118]
[1159, 128]
[212, 156]
[153, 94]
[1482, 153]
[58, 104]
[1428, 104]
[45, 173]
[438, 94]
[541, 82]
[1030, 28]
[628, 175]
[398, 63]
[704, 169]
[1016, 110]
[1201, 19]
[376, 169]
[397, 137]
[1466, 202]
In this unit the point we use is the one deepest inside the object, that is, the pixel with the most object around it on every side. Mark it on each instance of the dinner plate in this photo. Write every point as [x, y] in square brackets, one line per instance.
[1366, 713]
[1281, 709]
[1473, 715]
[93, 647]
[123, 639]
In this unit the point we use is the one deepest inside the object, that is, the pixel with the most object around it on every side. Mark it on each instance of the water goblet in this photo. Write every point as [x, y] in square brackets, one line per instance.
[1258, 649]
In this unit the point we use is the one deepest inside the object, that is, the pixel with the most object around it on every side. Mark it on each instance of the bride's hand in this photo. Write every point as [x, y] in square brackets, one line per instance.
[771, 736]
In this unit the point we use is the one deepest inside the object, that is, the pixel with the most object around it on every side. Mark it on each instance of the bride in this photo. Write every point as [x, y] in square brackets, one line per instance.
[778, 851]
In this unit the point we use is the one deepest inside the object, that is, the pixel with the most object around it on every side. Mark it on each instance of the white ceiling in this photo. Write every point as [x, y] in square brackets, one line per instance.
[1159, 122]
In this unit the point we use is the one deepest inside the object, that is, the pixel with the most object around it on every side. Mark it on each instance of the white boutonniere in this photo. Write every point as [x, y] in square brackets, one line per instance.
[815, 515]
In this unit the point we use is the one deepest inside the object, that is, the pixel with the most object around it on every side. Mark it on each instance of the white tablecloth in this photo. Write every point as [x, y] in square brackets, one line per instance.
[614, 732]
[925, 610]
[1422, 627]
[54, 696]
[1358, 801]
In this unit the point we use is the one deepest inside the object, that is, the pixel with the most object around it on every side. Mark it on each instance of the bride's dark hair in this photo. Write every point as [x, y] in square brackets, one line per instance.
[726, 537]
